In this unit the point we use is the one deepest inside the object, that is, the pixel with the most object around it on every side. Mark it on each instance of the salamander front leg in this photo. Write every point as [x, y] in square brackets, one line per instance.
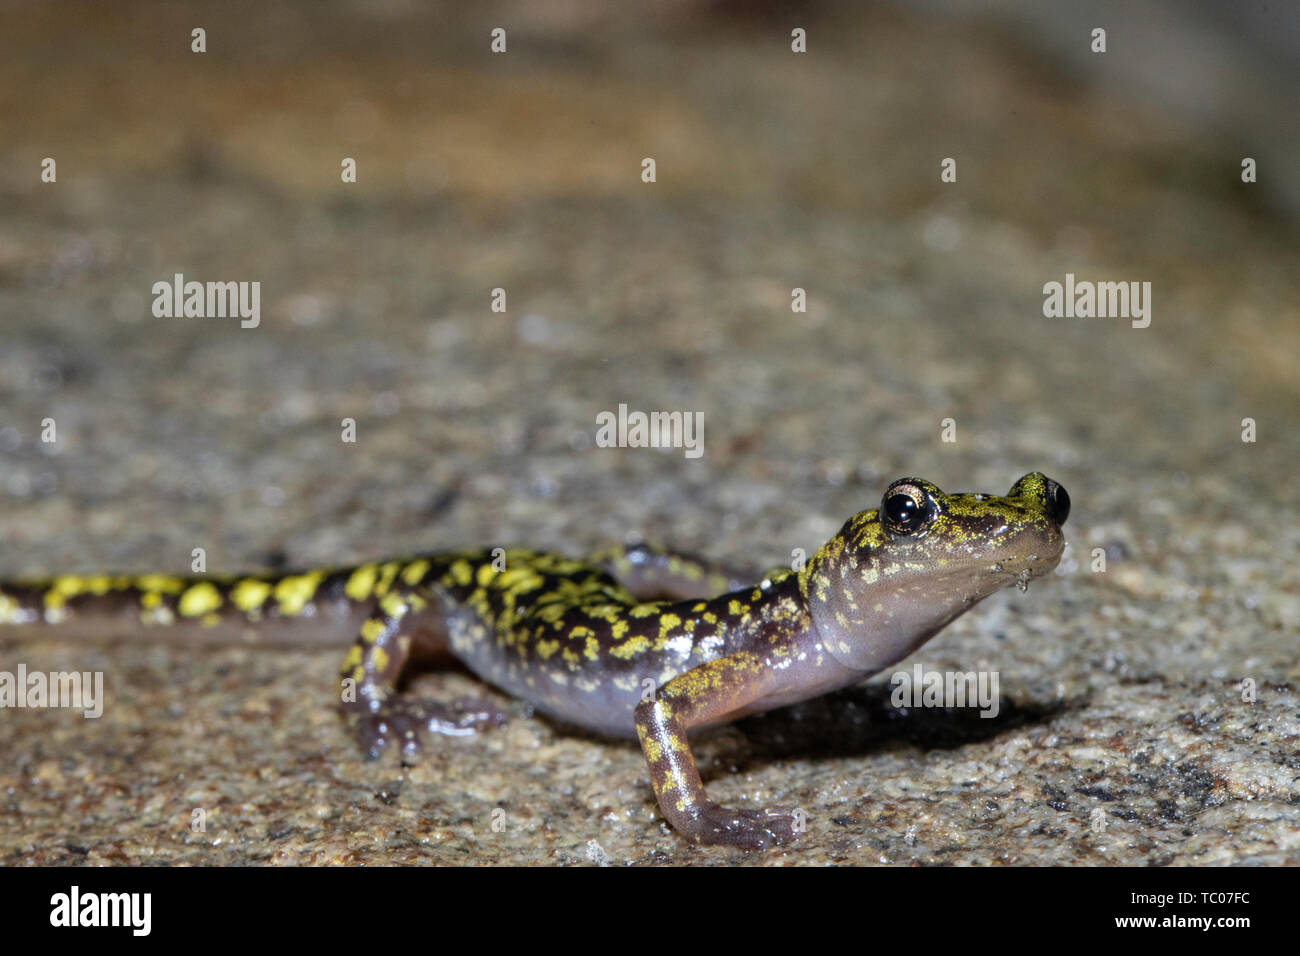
[707, 693]
[407, 620]
[652, 573]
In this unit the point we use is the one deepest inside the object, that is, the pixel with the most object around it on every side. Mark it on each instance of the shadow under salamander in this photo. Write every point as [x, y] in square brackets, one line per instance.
[862, 719]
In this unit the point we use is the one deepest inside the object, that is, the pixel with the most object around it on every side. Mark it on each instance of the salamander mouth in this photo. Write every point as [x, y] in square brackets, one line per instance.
[1022, 570]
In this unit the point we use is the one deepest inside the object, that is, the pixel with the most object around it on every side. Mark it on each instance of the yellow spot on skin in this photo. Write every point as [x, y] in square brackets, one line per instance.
[361, 582]
[414, 572]
[630, 648]
[353, 658]
[485, 575]
[160, 582]
[552, 612]
[250, 594]
[667, 622]
[618, 629]
[519, 579]
[54, 600]
[293, 593]
[199, 599]
[68, 586]
[151, 599]
[98, 585]
[387, 572]
[546, 648]
[461, 572]
[393, 605]
[653, 751]
[371, 630]
[592, 649]
[379, 657]
[643, 610]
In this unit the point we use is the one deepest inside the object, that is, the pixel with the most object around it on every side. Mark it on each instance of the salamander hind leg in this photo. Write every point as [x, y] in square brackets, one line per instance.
[709, 692]
[407, 622]
[651, 573]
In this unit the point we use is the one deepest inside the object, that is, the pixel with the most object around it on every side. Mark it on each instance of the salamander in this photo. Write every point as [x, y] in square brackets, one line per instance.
[636, 641]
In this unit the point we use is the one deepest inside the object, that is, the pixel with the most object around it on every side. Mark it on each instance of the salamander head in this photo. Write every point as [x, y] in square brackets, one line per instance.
[894, 576]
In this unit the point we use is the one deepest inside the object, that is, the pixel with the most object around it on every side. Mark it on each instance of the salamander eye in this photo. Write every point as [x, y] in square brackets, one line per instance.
[1040, 488]
[1058, 502]
[906, 509]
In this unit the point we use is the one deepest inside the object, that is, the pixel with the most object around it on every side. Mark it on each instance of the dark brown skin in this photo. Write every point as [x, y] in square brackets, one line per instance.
[657, 656]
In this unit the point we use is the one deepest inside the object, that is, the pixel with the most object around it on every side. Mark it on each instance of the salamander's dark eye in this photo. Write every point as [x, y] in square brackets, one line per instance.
[1058, 502]
[906, 509]
[1039, 488]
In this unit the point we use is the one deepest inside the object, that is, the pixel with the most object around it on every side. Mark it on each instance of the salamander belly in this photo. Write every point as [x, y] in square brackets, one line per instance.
[577, 672]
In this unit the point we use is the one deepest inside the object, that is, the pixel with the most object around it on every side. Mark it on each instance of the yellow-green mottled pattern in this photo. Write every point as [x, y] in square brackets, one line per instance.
[119, 602]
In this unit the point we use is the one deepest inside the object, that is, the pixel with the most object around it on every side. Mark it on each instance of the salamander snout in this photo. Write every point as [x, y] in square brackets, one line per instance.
[1050, 495]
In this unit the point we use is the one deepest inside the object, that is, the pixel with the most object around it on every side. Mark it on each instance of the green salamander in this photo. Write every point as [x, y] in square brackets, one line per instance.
[636, 642]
